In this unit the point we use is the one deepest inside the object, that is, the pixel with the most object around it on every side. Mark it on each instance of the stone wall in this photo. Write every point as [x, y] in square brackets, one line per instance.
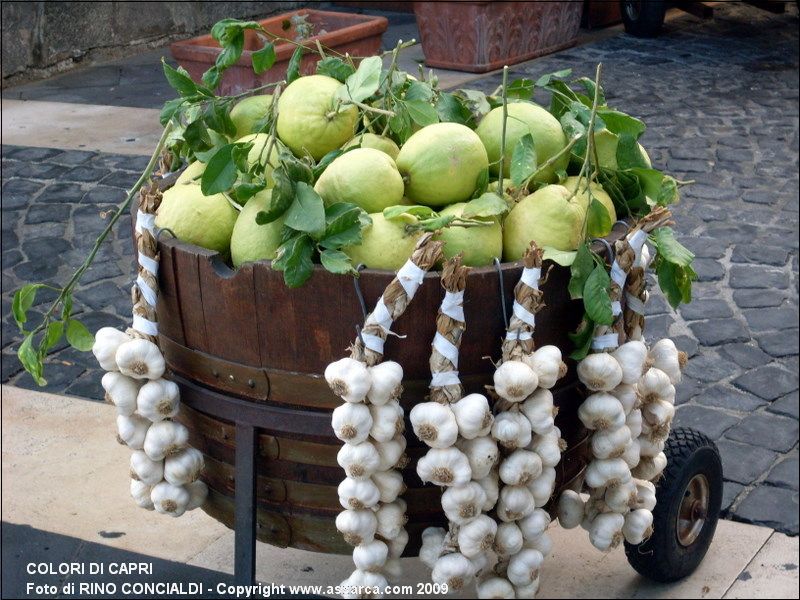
[39, 38]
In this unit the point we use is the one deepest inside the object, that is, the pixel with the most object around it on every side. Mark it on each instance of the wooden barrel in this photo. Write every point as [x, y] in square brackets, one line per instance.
[243, 336]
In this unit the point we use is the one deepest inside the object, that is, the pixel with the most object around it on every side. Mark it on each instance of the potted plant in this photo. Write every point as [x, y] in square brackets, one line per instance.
[483, 36]
[357, 35]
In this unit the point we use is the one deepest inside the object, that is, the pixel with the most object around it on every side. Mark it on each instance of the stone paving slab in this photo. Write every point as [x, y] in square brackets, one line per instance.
[721, 101]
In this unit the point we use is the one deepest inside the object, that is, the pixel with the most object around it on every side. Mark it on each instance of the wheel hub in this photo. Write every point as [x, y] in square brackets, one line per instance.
[693, 510]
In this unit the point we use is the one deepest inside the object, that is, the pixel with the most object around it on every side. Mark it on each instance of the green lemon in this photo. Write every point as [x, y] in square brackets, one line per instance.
[571, 183]
[364, 176]
[378, 142]
[258, 153]
[480, 245]
[547, 217]
[250, 241]
[205, 221]
[523, 118]
[385, 244]
[606, 144]
[192, 173]
[441, 163]
[308, 122]
[247, 113]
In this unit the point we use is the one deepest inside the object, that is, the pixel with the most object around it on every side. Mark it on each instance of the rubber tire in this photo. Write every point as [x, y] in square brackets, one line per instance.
[649, 21]
[661, 557]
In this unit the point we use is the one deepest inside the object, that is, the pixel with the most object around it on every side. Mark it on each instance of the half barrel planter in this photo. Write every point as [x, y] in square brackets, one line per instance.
[484, 36]
[357, 35]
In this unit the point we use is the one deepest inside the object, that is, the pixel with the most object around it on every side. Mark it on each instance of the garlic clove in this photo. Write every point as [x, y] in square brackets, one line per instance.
[548, 365]
[628, 396]
[621, 498]
[393, 569]
[106, 342]
[387, 421]
[638, 526]
[495, 587]
[655, 385]
[508, 540]
[435, 424]
[391, 454]
[632, 358]
[650, 468]
[539, 410]
[158, 399]
[132, 431]
[610, 443]
[121, 391]
[432, 544]
[145, 470]
[527, 591]
[198, 492]
[665, 356]
[512, 430]
[476, 537]
[359, 582]
[357, 526]
[164, 438]
[514, 381]
[523, 567]
[542, 487]
[570, 509]
[473, 416]
[398, 544]
[183, 466]
[491, 487]
[352, 422]
[358, 493]
[359, 461]
[515, 503]
[140, 359]
[371, 556]
[386, 382]
[140, 492]
[520, 467]
[607, 472]
[391, 518]
[444, 466]
[600, 372]
[390, 485]
[482, 454]
[463, 503]
[170, 499]
[535, 524]
[455, 570]
[606, 531]
[601, 411]
[349, 379]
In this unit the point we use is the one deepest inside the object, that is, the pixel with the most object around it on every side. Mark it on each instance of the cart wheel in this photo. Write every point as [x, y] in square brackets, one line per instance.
[643, 18]
[689, 496]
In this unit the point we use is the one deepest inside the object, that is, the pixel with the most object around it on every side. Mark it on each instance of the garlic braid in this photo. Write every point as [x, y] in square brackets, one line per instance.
[371, 425]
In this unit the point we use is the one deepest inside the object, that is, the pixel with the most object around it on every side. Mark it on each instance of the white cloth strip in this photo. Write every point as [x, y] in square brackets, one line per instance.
[148, 264]
[609, 340]
[523, 335]
[446, 348]
[523, 314]
[373, 342]
[636, 241]
[145, 221]
[616, 308]
[144, 326]
[381, 315]
[410, 277]
[531, 277]
[453, 305]
[634, 304]
[149, 293]
[618, 276]
[443, 379]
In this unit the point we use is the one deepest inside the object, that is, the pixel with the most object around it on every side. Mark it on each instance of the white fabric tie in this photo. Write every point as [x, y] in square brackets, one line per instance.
[148, 264]
[149, 293]
[381, 315]
[523, 314]
[618, 276]
[145, 221]
[410, 277]
[636, 241]
[531, 277]
[609, 340]
[446, 348]
[519, 335]
[373, 342]
[453, 305]
[634, 304]
[446, 378]
[145, 326]
[616, 308]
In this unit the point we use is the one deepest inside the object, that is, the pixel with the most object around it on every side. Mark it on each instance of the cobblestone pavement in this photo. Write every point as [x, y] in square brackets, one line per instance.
[721, 102]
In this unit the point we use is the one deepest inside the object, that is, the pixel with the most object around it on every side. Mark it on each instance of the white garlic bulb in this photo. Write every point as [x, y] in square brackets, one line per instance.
[483, 561]
[649, 468]
[482, 453]
[515, 502]
[140, 359]
[106, 342]
[170, 499]
[601, 411]
[477, 536]
[360, 584]
[140, 492]
[548, 447]
[655, 385]
[542, 487]
[520, 467]
[542, 543]
[359, 461]
[610, 443]
[658, 413]
[634, 422]
[432, 544]
[397, 544]
[164, 438]
[600, 372]
[370, 556]
[357, 526]
[628, 396]
[650, 447]
[145, 470]
[665, 356]
[392, 453]
[535, 524]
[435, 424]
[645, 494]
[631, 357]
[570, 509]
[386, 379]
[511, 430]
[352, 422]
[463, 503]
[198, 492]
[539, 410]
[514, 381]
[606, 531]
[546, 362]
[638, 526]
[491, 487]
[183, 466]
[632, 453]
[523, 567]
[389, 483]
[132, 431]
[391, 518]
[495, 587]
[455, 570]
[445, 467]
[349, 379]
[621, 498]
[607, 472]
[473, 416]
[158, 399]
[387, 421]
[527, 591]
[121, 391]
[358, 493]
[508, 539]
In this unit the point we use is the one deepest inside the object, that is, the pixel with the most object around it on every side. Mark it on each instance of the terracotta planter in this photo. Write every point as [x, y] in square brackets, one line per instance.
[483, 36]
[359, 35]
[601, 13]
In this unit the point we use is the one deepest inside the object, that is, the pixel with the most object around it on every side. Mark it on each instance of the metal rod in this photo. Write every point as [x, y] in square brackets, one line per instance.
[244, 554]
